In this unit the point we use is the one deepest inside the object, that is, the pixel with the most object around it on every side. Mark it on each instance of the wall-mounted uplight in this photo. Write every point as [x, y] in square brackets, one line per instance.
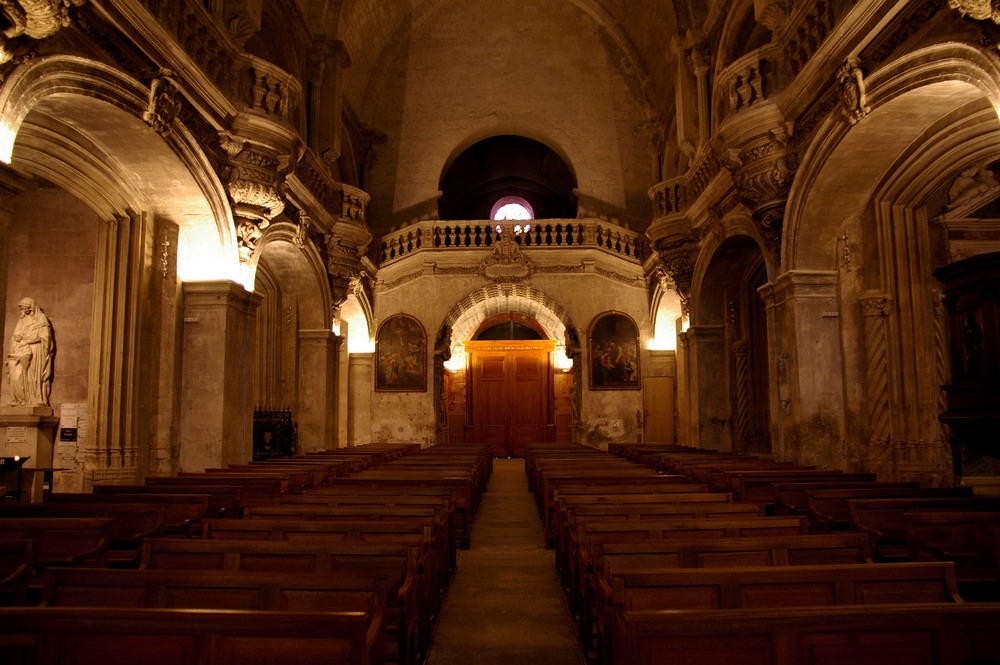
[457, 361]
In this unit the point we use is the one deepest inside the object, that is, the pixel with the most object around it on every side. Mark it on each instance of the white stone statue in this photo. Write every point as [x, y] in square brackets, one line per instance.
[29, 363]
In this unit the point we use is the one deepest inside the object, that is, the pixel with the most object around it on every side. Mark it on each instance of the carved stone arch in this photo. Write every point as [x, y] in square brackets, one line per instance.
[470, 311]
[178, 183]
[300, 269]
[738, 229]
[842, 162]
[728, 46]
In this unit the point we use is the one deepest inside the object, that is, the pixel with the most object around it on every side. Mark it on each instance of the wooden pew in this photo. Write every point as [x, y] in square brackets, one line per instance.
[929, 634]
[407, 622]
[883, 519]
[811, 550]
[969, 539]
[757, 486]
[183, 512]
[69, 541]
[223, 590]
[17, 561]
[787, 586]
[113, 636]
[790, 498]
[254, 490]
[223, 500]
[828, 509]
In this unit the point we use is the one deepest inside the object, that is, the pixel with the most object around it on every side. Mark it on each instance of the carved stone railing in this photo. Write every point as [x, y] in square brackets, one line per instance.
[252, 83]
[745, 82]
[438, 235]
[673, 197]
[808, 28]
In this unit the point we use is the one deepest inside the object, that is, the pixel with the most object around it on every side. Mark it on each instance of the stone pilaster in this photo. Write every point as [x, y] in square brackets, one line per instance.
[710, 407]
[360, 408]
[804, 326]
[216, 388]
[12, 185]
[317, 404]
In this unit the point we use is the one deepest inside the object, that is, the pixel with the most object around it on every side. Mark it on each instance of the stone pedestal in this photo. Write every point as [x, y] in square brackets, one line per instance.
[29, 431]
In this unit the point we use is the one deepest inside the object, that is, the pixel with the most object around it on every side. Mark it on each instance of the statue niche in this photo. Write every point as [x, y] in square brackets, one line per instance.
[29, 363]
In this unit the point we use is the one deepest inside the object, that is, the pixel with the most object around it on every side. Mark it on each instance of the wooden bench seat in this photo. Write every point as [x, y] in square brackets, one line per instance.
[969, 539]
[223, 590]
[113, 636]
[17, 562]
[183, 512]
[757, 486]
[69, 541]
[929, 634]
[223, 500]
[790, 498]
[130, 523]
[755, 588]
[408, 623]
[828, 509]
[884, 521]
[254, 490]
[811, 550]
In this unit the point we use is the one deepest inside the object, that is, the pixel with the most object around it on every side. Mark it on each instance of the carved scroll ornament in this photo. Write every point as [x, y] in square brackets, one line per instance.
[981, 10]
[34, 19]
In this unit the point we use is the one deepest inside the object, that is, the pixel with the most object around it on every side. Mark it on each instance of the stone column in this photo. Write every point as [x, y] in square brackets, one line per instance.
[360, 409]
[809, 368]
[317, 390]
[216, 387]
[343, 388]
[684, 388]
[710, 409]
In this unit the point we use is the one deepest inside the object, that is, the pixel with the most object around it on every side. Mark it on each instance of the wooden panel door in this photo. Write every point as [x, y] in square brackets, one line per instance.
[510, 394]
[658, 409]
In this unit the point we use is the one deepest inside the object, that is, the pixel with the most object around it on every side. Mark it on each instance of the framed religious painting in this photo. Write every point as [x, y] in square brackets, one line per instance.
[614, 352]
[400, 355]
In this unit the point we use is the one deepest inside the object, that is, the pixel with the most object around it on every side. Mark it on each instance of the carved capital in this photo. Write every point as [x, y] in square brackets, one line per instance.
[164, 103]
[31, 20]
[853, 102]
[980, 10]
[763, 171]
[677, 260]
[343, 267]
[875, 305]
[256, 187]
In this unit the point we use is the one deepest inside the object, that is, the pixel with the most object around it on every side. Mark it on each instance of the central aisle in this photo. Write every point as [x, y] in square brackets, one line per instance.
[505, 605]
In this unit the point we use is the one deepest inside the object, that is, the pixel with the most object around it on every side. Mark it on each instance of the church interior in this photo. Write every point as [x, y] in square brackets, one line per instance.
[569, 244]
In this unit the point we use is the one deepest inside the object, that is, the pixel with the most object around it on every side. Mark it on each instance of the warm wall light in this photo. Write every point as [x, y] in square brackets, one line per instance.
[7, 136]
[560, 360]
[457, 361]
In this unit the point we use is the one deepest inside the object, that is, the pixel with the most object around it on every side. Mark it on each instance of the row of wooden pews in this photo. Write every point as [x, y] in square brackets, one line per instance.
[359, 543]
[671, 554]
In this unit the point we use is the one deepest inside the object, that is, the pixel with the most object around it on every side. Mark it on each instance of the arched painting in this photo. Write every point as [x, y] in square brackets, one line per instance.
[401, 355]
[614, 353]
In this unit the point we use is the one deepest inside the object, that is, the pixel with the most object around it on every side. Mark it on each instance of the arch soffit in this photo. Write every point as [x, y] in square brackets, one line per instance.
[845, 165]
[299, 272]
[43, 86]
[468, 313]
[741, 237]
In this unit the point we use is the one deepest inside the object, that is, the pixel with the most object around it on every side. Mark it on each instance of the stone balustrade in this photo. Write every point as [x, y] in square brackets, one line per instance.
[543, 234]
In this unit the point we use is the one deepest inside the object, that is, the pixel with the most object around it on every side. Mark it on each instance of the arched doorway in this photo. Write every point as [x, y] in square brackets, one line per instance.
[510, 387]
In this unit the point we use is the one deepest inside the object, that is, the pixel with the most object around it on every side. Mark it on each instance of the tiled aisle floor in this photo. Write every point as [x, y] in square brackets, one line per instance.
[505, 606]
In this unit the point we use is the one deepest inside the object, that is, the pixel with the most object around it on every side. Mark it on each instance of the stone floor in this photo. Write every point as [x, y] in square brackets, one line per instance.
[505, 606]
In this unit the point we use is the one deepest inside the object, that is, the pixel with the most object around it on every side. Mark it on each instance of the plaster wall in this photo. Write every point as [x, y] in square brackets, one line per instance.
[613, 415]
[538, 70]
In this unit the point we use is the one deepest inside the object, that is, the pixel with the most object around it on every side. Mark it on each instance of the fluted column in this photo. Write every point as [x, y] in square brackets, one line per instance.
[875, 308]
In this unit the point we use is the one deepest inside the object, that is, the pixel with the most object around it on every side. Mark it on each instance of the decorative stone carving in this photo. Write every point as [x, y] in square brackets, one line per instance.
[343, 267]
[853, 102]
[971, 184]
[981, 10]
[29, 363]
[763, 171]
[677, 259]
[33, 19]
[164, 103]
[772, 13]
[256, 186]
[302, 231]
[506, 263]
[747, 86]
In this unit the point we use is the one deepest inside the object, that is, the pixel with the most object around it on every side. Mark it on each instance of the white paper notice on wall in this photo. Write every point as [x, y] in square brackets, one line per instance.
[17, 435]
[69, 416]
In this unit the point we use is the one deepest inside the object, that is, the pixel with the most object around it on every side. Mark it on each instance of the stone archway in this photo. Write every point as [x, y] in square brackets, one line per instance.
[454, 378]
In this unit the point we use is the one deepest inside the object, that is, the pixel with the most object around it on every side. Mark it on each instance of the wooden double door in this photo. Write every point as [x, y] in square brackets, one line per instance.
[510, 395]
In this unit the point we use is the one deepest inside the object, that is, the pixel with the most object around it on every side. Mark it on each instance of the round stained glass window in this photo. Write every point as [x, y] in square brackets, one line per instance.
[512, 207]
